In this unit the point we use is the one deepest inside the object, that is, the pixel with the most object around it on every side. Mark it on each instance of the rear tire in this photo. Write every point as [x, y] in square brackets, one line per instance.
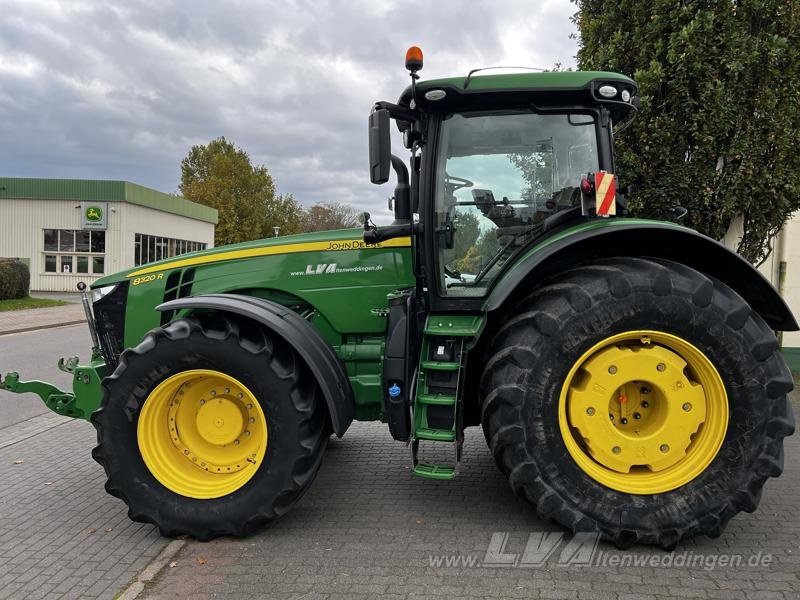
[277, 381]
[544, 339]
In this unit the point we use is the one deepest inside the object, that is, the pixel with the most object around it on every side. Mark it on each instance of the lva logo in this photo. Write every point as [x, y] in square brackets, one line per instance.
[320, 269]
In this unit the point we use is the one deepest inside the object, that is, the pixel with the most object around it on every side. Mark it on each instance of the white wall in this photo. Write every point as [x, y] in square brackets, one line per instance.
[22, 222]
[786, 249]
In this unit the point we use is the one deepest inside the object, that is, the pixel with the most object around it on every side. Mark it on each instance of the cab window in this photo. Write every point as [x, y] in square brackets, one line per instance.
[499, 175]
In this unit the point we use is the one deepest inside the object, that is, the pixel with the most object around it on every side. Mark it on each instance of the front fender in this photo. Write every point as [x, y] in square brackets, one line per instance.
[304, 338]
[643, 238]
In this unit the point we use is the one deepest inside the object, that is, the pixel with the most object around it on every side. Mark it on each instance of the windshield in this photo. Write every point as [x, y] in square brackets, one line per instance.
[498, 176]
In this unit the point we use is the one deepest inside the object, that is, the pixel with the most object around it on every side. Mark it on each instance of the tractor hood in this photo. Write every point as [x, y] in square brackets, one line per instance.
[343, 239]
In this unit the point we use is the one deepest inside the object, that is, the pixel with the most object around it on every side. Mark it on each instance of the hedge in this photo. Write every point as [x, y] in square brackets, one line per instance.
[15, 279]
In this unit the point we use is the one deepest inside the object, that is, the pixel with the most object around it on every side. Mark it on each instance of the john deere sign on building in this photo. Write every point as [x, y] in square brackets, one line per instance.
[93, 215]
[71, 230]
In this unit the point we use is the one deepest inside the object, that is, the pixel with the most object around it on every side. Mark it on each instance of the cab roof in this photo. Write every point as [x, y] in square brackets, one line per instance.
[549, 88]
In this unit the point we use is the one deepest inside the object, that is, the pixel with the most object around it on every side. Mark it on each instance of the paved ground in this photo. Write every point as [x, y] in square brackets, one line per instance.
[366, 529]
[61, 535]
[14, 321]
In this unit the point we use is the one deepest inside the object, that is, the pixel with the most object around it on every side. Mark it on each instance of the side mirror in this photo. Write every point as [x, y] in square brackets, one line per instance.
[380, 146]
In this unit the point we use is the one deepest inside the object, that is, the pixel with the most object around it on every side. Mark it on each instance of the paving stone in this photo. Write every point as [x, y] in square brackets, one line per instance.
[46, 545]
[367, 525]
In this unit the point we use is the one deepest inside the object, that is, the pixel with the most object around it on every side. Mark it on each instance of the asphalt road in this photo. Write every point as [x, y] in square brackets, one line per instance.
[33, 355]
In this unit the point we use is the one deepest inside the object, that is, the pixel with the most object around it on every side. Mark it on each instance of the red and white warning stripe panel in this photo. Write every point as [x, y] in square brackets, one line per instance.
[606, 195]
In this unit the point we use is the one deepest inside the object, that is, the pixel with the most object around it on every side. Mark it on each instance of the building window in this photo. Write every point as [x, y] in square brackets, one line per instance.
[150, 248]
[82, 264]
[70, 251]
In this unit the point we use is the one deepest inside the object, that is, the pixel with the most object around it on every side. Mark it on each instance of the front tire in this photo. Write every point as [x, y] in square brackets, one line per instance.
[210, 427]
[584, 347]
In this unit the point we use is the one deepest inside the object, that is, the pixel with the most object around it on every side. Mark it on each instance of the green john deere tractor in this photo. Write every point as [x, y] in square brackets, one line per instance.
[625, 372]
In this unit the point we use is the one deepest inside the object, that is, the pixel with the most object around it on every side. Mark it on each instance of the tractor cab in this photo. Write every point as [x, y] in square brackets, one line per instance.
[497, 162]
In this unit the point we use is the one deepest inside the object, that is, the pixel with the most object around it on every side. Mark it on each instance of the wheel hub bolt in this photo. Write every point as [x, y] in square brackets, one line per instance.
[637, 416]
[610, 416]
[590, 411]
[612, 369]
[644, 390]
[687, 406]
[236, 442]
[661, 367]
[616, 449]
[249, 406]
[227, 390]
[624, 421]
[664, 448]
[247, 433]
[213, 392]
[202, 401]
[645, 404]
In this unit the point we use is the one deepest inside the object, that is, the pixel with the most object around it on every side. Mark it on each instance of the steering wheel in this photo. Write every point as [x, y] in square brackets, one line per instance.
[457, 183]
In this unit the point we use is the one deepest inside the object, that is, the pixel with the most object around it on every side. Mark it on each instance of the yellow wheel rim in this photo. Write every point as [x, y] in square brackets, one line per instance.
[202, 434]
[643, 412]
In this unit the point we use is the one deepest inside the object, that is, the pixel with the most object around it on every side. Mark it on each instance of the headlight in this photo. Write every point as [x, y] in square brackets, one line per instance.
[102, 292]
[607, 91]
[626, 96]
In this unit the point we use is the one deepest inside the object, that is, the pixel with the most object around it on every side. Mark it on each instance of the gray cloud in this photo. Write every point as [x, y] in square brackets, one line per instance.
[121, 90]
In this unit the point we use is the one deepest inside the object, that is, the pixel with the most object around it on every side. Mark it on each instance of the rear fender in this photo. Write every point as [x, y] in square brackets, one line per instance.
[303, 337]
[642, 238]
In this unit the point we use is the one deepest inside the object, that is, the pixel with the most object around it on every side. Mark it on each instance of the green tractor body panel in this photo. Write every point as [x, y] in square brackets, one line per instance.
[339, 283]
[343, 280]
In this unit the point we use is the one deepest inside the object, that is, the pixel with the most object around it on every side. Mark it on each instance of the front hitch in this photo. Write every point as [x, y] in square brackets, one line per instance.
[80, 403]
[56, 400]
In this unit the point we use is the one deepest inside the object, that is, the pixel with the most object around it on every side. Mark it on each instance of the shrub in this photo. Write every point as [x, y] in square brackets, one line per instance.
[24, 278]
[15, 279]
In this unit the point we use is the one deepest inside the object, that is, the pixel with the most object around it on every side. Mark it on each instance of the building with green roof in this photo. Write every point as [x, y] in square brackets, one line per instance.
[71, 230]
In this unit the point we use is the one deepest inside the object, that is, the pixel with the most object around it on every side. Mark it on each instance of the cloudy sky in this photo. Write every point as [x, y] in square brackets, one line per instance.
[122, 90]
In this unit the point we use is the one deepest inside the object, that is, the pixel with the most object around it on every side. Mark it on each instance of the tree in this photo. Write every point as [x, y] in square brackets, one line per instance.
[479, 254]
[467, 229]
[719, 84]
[285, 213]
[222, 176]
[536, 169]
[327, 216]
